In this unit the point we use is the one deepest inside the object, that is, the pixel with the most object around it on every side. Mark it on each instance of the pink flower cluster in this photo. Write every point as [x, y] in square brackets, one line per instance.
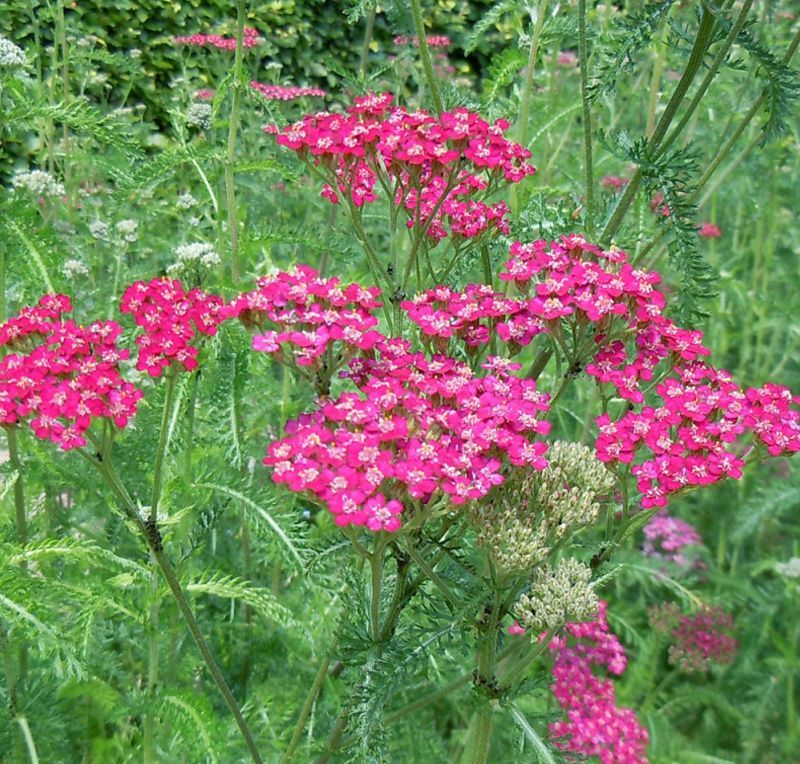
[595, 725]
[702, 414]
[311, 313]
[434, 167]
[666, 537]
[65, 375]
[697, 640]
[472, 316]
[709, 231]
[614, 181]
[250, 39]
[434, 41]
[285, 92]
[172, 318]
[415, 428]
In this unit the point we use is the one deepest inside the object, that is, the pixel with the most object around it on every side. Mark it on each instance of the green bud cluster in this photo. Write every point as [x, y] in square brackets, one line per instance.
[521, 523]
[557, 595]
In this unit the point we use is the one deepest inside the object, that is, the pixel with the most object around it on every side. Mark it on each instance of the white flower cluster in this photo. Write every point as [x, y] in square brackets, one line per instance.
[186, 201]
[73, 268]
[557, 595]
[790, 569]
[127, 230]
[11, 56]
[521, 522]
[99, 230]
[38, 183]
[199, 115]
[195, 255]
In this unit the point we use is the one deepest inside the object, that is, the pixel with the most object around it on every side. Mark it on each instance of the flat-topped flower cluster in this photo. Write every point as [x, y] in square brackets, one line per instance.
[438, 170]
[416, 429]
[61, 376]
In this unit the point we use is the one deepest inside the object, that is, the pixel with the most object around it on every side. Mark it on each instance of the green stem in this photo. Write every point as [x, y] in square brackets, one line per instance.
[152, 672]
[533, 54]
[61, 32]
[480, 737]
[701, 43]
[425, 55]
[169, 396]
[305, 711]
[362, 65]
[191, 416]
[588, 167]
[19, 488]
[154, 541]
[719, 59]
[233, 125]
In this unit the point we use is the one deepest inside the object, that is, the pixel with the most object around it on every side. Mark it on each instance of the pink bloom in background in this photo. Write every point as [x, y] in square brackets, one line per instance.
[434, 41]
[709, 231]
[666, 537]
[567, 58]
[614, 181]
[286, 92]
[595, 725]
[658, 207]
[697, 640]
[515, 629]
[64, 376]
[205, 94]
[172, 318]
[250, 39]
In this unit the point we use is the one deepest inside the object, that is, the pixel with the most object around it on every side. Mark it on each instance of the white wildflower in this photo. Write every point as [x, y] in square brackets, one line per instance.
[199, 115]
[73, 268]
[127, 230]
[186, 201]
[11, 56]
[38, 183]
[790, 569]
[194, 255]
[99, 230]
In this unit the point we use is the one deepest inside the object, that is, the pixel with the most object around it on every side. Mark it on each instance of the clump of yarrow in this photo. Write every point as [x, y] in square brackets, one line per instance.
[127, 231]
[557, 595]
[11, 56]
[199, 115]
[520, 525]
[38, 183]
[193, 257]
[73, 268]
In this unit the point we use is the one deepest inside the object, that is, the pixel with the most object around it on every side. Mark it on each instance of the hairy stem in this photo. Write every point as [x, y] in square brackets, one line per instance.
[169, 397]
[233, 125]
[588, 167]
[152, 672]
[425, 55]
[533, 54]
[362, 64]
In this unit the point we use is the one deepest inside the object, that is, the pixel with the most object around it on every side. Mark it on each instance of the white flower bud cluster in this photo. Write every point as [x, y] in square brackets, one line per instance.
[73, 268]
[521, 522]
[199, 115]
[557, 595]
[195, 255]
[38, 183]
[790, 569]
[11, 56]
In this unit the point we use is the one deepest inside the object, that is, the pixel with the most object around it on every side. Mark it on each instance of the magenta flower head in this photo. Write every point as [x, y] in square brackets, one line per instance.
[703, 639]
[666, 537]
[439, 171]
[595, 725]
[60, 376]
[316, 323]
[709, 231]
[286, 92]
[250, 39]
[173, 319]
[413, 431]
